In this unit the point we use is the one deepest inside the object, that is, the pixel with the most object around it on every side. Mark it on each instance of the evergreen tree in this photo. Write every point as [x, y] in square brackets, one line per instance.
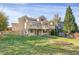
[69, 21]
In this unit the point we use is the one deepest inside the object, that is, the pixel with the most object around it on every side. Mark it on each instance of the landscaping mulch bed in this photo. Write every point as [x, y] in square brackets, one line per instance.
[62, 43]
[76, 35]
[76, 47]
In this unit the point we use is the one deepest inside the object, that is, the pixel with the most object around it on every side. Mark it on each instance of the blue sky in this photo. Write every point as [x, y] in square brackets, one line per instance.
[16, 10]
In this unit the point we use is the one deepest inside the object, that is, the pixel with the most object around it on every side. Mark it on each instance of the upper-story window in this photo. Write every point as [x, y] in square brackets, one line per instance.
[34, 24]
[25, 25]
[42, 19]
[37, 19]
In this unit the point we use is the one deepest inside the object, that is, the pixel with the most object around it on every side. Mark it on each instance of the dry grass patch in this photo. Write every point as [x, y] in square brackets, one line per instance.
[62, 43]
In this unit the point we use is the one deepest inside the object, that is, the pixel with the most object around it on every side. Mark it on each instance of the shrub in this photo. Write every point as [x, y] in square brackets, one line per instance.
[54, 32]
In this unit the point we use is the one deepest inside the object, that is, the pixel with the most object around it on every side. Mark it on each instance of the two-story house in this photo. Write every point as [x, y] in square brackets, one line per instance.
[31, 26]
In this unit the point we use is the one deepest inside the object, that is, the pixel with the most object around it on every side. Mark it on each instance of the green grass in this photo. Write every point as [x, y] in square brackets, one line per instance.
[36, 45]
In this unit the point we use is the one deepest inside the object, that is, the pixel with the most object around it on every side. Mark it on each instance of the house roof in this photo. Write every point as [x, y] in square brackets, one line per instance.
[28, 18]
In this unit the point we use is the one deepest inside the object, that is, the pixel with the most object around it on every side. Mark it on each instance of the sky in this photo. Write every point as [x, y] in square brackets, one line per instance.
[16, 10]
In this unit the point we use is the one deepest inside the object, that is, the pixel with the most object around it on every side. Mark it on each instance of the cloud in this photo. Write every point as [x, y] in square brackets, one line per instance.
[14, 11]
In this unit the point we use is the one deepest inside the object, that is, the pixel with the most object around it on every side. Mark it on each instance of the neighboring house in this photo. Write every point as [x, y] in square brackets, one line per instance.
[59, 26]
[31, 26]
[9, 29]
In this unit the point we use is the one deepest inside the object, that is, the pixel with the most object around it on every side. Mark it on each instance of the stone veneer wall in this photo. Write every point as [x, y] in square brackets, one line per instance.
[15, 27]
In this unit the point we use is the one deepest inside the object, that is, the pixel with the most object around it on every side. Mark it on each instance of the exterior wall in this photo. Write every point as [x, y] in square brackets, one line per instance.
[15, 27]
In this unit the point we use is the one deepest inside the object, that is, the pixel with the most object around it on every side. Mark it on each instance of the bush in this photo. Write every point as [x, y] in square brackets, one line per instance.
[54, 32]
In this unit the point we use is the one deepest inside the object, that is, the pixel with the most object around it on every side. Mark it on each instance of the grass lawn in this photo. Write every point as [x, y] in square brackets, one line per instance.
[37, 45]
